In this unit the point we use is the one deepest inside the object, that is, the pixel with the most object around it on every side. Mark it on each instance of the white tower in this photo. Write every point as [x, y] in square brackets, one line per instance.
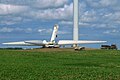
[76, 20]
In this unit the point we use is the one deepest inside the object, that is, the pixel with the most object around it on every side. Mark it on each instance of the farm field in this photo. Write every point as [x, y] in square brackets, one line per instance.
[62, 64]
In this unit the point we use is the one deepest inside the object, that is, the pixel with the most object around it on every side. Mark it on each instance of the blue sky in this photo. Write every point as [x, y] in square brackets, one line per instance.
[34, 19]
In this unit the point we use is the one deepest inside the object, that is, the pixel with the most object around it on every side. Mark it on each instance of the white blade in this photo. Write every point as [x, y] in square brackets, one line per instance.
[54, 34]
[36, 42]
[26, 43]
[66, 42]
[21, 43]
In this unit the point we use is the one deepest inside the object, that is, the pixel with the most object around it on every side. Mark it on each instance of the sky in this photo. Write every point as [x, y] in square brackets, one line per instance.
[34, 20]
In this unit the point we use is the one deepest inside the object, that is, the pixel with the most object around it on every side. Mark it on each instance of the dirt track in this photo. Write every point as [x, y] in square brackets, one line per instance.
[55, 49]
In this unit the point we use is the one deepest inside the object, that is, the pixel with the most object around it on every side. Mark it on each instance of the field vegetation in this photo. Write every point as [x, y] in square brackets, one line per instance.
[61, 64]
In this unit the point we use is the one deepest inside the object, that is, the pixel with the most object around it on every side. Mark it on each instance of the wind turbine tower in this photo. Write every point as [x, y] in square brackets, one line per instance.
[76, 21]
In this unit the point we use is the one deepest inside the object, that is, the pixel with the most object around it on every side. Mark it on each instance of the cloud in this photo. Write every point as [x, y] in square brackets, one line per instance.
[6, 29]
[49, 31]
[113, 15]
[41, 30]
[112, 32]
[54, 13]
[110, 4]
[15, 30]
[71, 23]
[106, 3]
[12, 14]
[89, 16]
[37, 3]
[60, 11]
[10, 20]
[6, 9]
[45, 31]
[20, 13]
[66, 22]
[63, 32]
[49, 3]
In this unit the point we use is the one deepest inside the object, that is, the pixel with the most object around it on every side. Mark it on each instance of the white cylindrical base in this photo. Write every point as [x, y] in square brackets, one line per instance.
[76, 20]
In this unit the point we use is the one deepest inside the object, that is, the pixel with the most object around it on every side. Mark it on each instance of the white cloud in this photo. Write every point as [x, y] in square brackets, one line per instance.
[10, 20]
[44, 30]
[54, 13]
[37, 3]
[20, 11]
[7, 22]
[6, 9]
[112, 32]
[49, 3]
[41, 30]
[6, 29]
[82, 7]
[106, 3]
[63, 32]
[49, 31]
[17, 29]
[66, 22]
[112, 4]
[89, 16]
[71, 23]
[29, 30]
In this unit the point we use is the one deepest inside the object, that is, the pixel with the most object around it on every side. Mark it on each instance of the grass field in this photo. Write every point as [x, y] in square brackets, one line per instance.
[60, 65]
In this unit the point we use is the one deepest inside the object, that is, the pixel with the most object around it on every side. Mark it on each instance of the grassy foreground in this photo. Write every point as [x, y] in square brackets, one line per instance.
[60, 65]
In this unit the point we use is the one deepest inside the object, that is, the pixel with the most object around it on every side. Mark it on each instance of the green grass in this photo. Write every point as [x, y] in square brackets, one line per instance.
[61, 65]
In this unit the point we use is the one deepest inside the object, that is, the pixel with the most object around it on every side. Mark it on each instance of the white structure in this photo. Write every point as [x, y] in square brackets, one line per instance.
[54, 35]
[76, 21]
[43, 43]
